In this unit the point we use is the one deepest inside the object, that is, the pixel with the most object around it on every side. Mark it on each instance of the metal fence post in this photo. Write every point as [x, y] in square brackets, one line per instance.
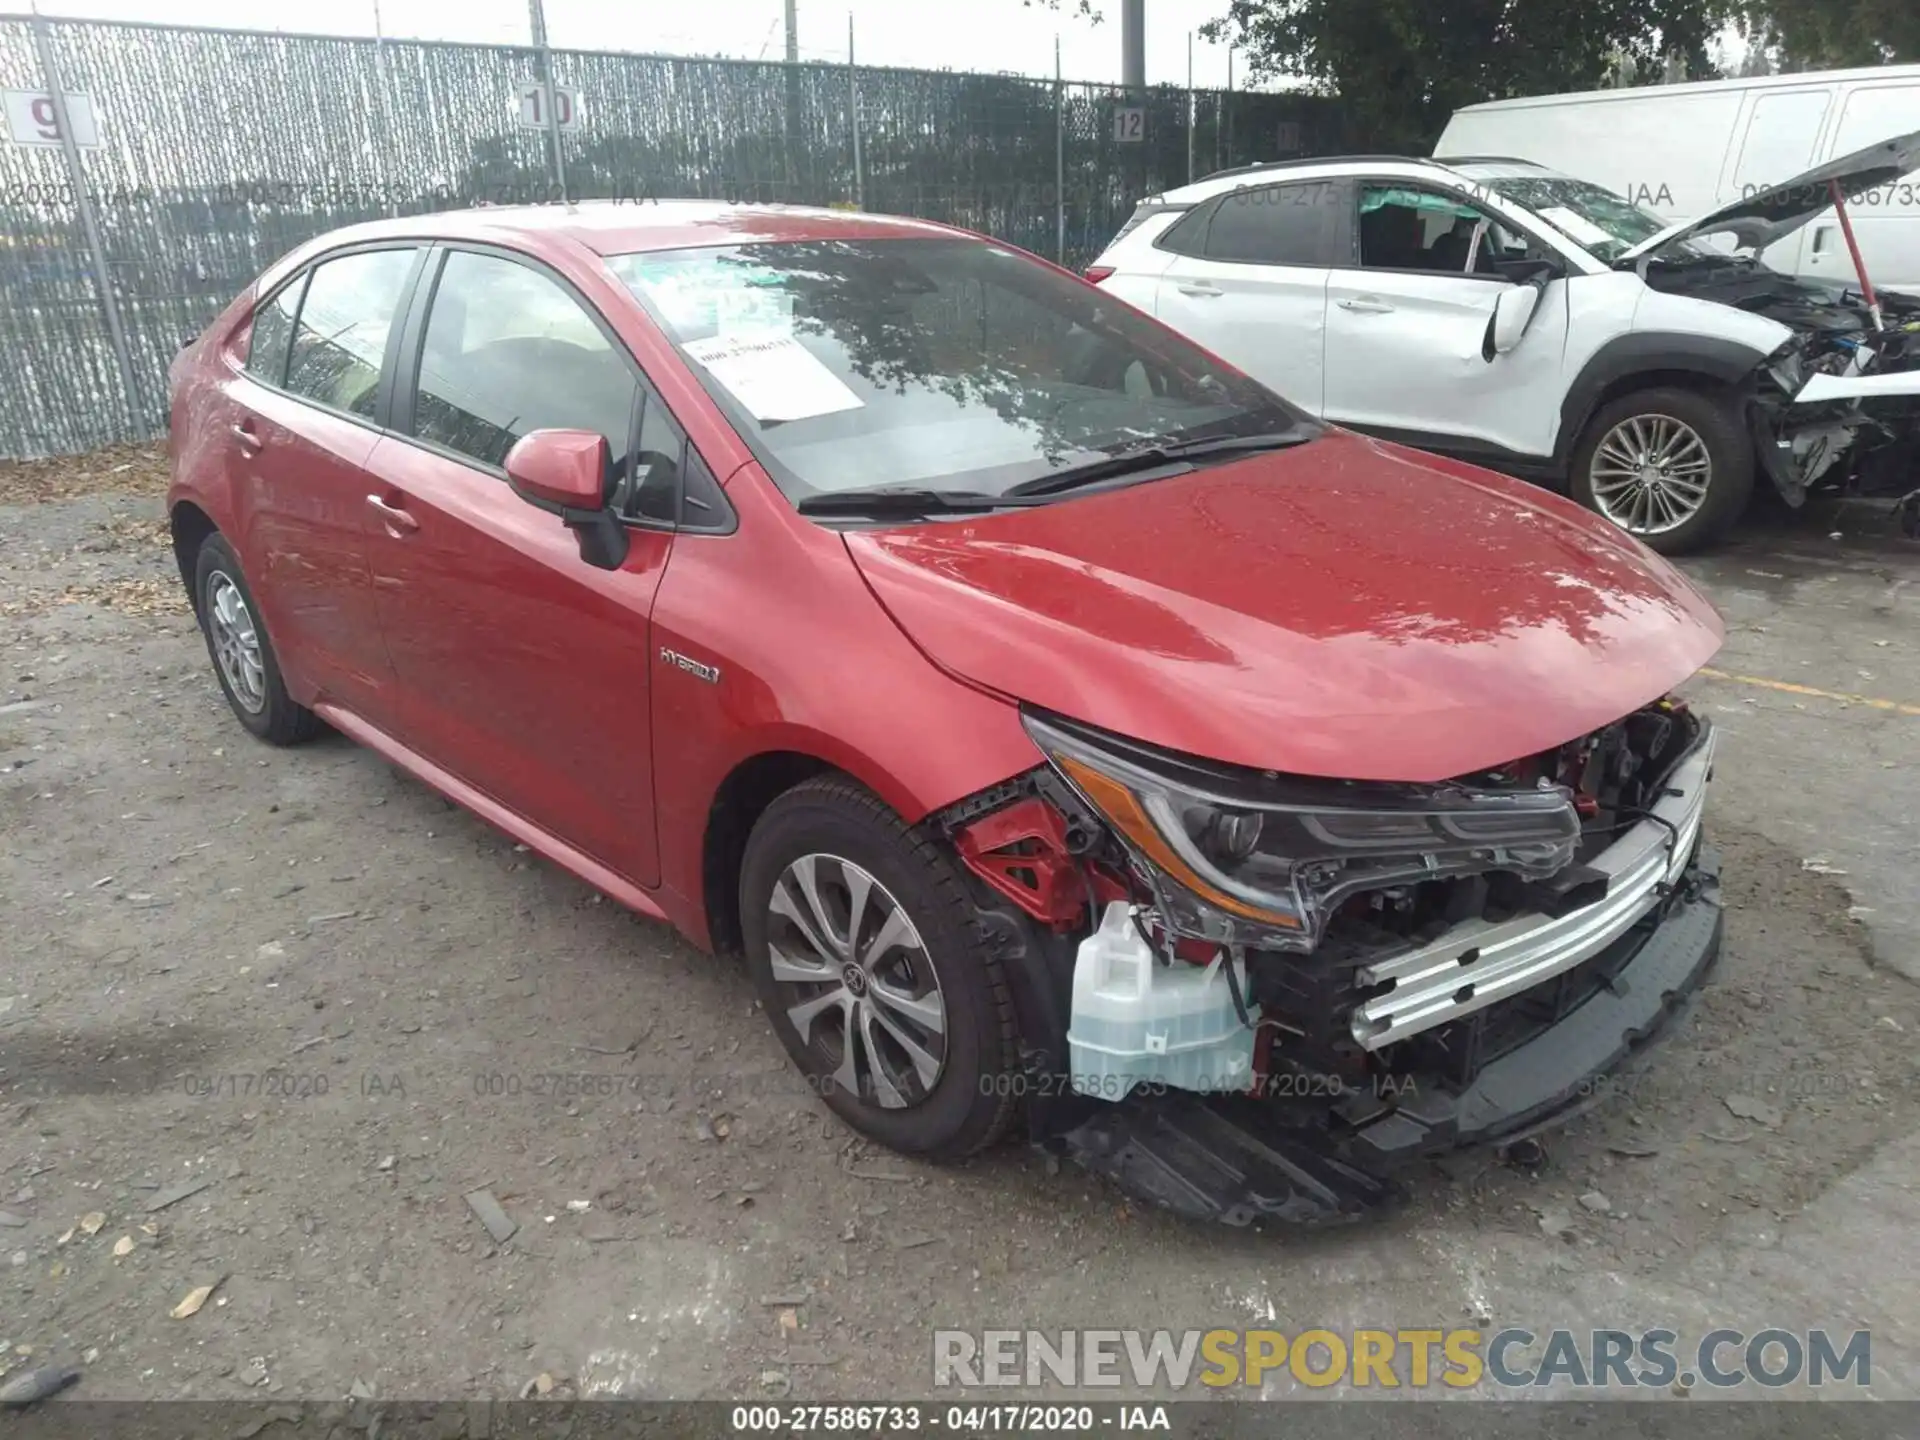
[1226, 113]
[386, 110]
[790, 78]
[89, 224]
[1191, 112]
[1059, 157]
[545, 63]
[853, 118]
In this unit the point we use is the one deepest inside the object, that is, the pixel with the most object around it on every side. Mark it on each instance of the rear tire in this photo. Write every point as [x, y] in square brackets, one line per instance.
[1671, 467]
[243, 657]
[901, 1020]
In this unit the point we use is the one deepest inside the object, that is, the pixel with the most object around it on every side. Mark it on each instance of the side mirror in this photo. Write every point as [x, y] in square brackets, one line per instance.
[566, 472]
[1511, 314]
[566, 469]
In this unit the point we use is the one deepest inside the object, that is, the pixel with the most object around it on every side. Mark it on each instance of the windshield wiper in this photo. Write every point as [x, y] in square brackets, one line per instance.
[1154, 457]
[900, 500]
[1272, 440]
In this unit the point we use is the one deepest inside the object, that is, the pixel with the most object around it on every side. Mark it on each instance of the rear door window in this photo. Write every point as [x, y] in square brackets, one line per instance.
[341, 338]
[1275, 225]
[508, 350]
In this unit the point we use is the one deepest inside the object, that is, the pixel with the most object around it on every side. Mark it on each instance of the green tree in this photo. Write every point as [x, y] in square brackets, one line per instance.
[1401, 67]
[1824, 34]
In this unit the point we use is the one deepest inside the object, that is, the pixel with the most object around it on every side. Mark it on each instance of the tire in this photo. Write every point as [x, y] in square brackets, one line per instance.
[255, 691]
[821, 828]
[1633, 425]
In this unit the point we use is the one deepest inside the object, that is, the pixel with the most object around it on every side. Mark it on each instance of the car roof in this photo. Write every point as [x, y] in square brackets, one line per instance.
[1332, 166]
[1501, 168]
[621, 227]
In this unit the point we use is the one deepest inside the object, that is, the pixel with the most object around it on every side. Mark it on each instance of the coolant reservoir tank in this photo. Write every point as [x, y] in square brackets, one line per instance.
[1138, 1021]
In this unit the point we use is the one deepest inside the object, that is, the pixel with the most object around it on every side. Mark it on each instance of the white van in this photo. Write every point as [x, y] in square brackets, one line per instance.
[1684, 150]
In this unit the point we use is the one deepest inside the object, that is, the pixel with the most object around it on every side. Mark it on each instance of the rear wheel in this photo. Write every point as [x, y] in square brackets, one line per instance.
[859, 937]
[243, 657]
[1671, 467]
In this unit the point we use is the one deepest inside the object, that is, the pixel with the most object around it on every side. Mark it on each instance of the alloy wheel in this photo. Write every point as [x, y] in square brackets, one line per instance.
[236, 643]
[860, 988]
[1650, 474]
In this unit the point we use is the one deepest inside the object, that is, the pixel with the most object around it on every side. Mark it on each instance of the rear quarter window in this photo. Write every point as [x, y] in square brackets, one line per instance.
[272, 334]
[1143, 212]
[1188, 235]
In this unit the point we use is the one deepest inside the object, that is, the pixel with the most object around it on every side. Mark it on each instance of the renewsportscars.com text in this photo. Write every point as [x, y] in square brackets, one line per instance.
[1506, 1359]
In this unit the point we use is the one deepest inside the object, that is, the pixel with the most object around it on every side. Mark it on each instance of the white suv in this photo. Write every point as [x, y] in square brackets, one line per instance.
[1503, 313]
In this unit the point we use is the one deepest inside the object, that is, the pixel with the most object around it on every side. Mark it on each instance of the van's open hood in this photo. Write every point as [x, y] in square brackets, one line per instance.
[1760, 219]
[1344, 608]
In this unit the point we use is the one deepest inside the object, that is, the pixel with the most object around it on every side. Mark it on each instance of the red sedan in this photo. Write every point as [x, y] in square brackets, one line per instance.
[1065, 726]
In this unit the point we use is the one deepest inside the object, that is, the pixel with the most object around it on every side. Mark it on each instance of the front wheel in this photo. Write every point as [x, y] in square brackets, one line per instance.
[860, 940]
[1671, 467]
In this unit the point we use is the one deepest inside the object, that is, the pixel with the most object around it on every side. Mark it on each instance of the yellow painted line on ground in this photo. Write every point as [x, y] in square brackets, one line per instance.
[1787, 687]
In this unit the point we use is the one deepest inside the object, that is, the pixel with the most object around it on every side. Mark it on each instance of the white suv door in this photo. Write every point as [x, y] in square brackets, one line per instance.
[1407, 326]
[1249, 278]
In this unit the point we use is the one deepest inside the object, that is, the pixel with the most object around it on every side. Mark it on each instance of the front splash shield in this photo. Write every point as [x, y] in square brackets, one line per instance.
[1229, 1159]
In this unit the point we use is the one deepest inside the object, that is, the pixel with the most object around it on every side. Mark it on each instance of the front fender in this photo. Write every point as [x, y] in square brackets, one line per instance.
[1717, 359]
[807, 664]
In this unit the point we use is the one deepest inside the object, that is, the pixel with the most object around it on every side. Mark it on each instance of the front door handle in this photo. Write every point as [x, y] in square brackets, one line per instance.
[248, 441]
[397, 521]
[1367, 305]
[1200, 288]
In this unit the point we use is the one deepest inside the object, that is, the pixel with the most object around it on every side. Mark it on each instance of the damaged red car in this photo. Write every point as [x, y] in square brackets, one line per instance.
[1072, 733]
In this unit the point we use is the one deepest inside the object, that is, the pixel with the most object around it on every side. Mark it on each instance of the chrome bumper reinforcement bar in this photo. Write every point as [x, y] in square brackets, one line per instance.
[1478, 963]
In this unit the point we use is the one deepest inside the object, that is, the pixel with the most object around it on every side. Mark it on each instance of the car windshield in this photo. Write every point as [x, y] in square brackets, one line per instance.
[945, 363]
[1599, 221]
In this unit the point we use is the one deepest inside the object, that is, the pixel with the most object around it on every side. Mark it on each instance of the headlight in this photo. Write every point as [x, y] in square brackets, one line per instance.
[1260, 858]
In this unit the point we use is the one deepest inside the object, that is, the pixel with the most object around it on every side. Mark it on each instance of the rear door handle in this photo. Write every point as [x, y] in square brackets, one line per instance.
[397, 521]
[1367, 305]
[1202, 288]
[249, 442]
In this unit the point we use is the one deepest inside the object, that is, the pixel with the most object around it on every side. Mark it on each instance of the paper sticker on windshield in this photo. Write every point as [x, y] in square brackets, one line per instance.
[1573, 223]
[774, 376]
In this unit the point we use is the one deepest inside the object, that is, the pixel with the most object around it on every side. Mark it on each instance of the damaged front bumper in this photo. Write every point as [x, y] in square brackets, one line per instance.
[1562, 909]
[1234, 1160]
[1856, 430]
[1479, 963]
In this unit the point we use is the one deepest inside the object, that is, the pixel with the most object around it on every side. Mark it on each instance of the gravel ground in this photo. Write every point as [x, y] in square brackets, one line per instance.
[331, 1005]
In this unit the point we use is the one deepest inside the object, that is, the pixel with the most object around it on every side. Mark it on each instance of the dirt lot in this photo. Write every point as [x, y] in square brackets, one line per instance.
[308, 985]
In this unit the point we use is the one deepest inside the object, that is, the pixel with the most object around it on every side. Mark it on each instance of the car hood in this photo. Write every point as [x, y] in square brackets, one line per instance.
[1344, 608]
[1768, 215]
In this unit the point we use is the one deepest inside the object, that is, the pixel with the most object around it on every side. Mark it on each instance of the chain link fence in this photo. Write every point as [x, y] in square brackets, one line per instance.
[207, 154]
